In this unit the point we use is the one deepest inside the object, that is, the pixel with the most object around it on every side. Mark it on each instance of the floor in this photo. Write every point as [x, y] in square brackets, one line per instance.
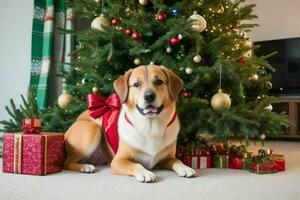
[209, 184]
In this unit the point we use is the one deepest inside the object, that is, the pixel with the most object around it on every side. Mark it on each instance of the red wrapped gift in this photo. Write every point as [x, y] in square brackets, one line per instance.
[35, 154]
[31, 125]
[269, 167]
[198, 161]
[235, 162]
[280, 161]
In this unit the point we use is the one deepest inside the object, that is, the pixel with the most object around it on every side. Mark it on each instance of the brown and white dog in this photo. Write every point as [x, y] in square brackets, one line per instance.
[148, 95]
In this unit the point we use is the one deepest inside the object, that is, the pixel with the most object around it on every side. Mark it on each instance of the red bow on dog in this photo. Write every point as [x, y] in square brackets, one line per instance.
[109, 109]
[98, 105]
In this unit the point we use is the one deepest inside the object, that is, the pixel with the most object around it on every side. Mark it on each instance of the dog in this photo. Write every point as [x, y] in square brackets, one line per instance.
[147, 128]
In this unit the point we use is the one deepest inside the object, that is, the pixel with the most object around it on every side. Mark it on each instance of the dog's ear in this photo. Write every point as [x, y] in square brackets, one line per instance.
[121, 86]
[174, 83]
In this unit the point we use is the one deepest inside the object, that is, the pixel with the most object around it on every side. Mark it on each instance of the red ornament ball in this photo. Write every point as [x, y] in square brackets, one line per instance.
[115, 21]
[136, 36]
[161, 16]
[174, 41]
[187, 94]
[128, 31]
[243, 60]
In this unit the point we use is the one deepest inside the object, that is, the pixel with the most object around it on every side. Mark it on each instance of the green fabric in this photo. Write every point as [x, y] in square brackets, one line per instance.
[47, 45]
[220, 161]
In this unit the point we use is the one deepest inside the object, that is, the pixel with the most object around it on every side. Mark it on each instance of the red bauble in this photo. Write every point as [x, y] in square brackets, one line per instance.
[243, 60]
[187, 94]
[136, 36]
[128, 31]
[161, 16]
[115, 21]
[174, 41]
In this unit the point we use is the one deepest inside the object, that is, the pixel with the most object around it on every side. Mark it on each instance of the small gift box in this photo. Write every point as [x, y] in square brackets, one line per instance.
[263, 163]
[35, 154]
[31, 126]
[220, 161]
[239, 158]
[198, 161]
[278, 159]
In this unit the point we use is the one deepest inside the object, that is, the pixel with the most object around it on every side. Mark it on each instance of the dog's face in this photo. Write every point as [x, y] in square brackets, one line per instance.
[149, 89]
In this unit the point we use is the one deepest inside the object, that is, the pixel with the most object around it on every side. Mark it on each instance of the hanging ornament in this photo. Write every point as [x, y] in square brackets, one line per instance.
[243, 59]
[136, 36]
[143, 2]
[269, 85]
[262, 137]
[168, 49]
[180, 36]
[269, 107]
[174, 11]
[99, 22]
[254, 77]
[84, 81]
[187, 94]
[137, 61]
[128, 31]
[263, 71]
[220, 100]
[198, 22]
[161, 16]
[197, 58]
[97, 1]
[220, 9]
[64, 100]
[174, 41]
[115, 21]
[95, 89]
[188, 70]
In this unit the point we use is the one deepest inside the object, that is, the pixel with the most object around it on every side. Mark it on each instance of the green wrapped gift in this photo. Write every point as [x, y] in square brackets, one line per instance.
[220, 161]
[246, 163]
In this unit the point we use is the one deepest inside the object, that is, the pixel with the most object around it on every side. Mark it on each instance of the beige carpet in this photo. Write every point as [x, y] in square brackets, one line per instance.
[211, 184]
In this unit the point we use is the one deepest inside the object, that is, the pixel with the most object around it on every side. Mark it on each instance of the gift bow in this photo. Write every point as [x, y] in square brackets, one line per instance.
[98, 105]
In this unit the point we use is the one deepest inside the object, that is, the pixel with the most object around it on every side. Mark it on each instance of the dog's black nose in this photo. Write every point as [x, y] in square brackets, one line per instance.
[149, 97]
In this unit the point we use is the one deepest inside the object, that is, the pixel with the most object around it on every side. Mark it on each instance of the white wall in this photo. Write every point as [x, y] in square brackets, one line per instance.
[15, 50]
[277, 19]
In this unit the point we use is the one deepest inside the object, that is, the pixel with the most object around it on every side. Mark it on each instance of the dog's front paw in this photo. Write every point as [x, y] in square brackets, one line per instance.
[184, 171]
[143, 175]
[87, 168]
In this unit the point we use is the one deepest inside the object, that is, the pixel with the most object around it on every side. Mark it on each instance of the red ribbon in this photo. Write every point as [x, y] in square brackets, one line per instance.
[98, 105]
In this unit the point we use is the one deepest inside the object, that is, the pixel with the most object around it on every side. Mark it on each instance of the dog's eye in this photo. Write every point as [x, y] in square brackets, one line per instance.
[158, 82]
[136, 84]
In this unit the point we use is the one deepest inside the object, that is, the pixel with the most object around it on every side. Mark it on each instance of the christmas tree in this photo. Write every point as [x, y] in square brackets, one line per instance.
[204, 42]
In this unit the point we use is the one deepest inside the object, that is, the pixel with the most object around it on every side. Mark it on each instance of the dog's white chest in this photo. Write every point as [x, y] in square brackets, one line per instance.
[149, 161]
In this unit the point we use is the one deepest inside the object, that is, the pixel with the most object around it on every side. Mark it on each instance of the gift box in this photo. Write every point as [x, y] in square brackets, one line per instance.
[198, 161]
[263, 163]
[239, 158]
[31, 126]
[220, 161]
[279, 160]
[35, 154]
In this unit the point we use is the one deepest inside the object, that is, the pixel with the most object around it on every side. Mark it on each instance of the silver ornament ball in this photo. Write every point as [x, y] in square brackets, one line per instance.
[262, 136]
[169, 50]
[188, 70]
[143, 2]
[137, 61]
[95, 89]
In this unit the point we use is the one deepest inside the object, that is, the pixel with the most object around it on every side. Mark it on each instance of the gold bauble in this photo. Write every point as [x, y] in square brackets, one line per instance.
[95, 89]
[220, 101]
[269, 107]
[198, 22]
[137, 61]
[99, 22]
[143, 2]
[64, 100]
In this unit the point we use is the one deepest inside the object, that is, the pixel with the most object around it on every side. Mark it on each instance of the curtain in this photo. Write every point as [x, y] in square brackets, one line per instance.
[50, 48]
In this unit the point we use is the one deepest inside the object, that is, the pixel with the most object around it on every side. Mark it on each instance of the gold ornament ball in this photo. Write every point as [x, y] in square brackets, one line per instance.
[99, 22]
[95, 89]
[198, 22]
[262, 136]
[137, 61]
[220, 9]
[143, 2]
[64, 100]
[188, 70]
[169, 50]
[197, 59]
[220, 101]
